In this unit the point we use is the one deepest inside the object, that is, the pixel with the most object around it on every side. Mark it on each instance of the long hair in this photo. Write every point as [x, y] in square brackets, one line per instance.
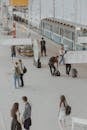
[14, 109]
[63, 100]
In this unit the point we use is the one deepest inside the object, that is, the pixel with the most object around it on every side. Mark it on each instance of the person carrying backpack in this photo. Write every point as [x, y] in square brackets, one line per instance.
[16, 75]
[21, 67]
[64, 110]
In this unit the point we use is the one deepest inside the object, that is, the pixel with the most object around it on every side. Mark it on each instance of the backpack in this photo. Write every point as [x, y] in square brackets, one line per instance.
[24, 70]
[57, 73]
[68, 110]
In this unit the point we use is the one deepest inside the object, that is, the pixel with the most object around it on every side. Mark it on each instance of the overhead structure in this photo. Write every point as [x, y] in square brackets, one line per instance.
[18, 3]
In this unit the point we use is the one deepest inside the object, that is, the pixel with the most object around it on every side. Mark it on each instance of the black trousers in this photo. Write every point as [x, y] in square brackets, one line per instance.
[43, 50]
[52, 68]
[68, 68]
[27, 123]
[21, 79]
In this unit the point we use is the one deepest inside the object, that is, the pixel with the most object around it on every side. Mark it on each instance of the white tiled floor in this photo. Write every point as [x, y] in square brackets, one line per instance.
[43, 91]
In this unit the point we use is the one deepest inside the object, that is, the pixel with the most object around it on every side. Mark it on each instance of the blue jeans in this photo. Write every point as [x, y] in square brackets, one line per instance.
[16, 81]
[62, 60]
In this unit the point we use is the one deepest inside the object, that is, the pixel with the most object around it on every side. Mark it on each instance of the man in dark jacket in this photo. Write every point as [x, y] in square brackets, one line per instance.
[43, 46]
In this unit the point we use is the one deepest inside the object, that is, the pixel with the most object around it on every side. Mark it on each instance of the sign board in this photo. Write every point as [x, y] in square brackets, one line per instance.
[82, 39]
[18, 2]
[76, 57]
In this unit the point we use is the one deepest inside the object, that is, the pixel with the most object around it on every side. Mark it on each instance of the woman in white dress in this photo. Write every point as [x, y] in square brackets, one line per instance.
[62, 115]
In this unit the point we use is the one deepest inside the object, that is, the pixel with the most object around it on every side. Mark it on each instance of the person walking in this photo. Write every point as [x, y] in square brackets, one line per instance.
[16, 75]
[51, 64]
[62, 112]
[21, 67]
[43, 47]
[26, 114]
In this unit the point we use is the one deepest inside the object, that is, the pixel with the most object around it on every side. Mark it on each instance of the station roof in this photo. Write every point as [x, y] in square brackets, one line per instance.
[65, 22]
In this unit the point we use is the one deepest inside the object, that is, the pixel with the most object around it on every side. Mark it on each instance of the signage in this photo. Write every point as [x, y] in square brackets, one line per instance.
[18, 2]
[76, 57]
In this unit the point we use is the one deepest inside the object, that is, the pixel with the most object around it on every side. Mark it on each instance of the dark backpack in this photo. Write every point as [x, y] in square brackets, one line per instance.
[24, 70]
[68, 110]
[57, 73]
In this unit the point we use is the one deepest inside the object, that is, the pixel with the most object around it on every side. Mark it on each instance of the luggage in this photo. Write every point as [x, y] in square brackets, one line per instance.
[74, 73]
[57, 73]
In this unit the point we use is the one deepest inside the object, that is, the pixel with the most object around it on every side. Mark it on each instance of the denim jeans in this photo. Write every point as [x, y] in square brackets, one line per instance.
[16, 81]
[62, 60]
